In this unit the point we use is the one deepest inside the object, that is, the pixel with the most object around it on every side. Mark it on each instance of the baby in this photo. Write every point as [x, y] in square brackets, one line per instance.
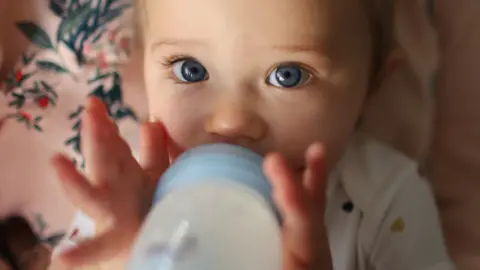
[289, 80]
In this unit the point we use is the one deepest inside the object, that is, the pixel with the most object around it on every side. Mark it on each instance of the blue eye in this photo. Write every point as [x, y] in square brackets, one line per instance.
[288, 76]
[189, 71]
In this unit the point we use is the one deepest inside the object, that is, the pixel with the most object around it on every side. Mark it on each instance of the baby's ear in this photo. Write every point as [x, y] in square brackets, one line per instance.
[392, 61]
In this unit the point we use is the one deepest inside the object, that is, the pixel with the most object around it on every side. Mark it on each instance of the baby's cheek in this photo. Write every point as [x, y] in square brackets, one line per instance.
[319, 119]
[183, 121]
[185, 130]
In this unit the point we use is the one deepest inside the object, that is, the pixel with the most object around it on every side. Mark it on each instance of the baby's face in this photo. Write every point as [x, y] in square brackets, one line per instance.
[271, 75]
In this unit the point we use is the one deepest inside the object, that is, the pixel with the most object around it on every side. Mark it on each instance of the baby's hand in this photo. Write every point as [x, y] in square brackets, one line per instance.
[116, 191]
[302, 203]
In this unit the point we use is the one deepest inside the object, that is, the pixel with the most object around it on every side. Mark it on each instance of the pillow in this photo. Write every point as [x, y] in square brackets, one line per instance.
[455, 153]
[42, 109]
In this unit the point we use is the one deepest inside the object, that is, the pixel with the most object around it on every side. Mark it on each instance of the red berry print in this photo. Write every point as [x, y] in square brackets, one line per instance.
[43, 102]
[102, 60]
[18, 76]
[26, 115]
[74, 234]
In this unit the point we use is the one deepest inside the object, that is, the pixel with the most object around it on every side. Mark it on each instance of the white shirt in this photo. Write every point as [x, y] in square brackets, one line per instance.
[381, 214]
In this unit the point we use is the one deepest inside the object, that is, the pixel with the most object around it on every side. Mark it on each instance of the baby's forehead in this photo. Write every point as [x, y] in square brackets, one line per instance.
[301, 20]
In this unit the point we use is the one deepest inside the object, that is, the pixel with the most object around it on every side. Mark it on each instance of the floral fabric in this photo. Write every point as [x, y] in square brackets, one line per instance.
[43, 102]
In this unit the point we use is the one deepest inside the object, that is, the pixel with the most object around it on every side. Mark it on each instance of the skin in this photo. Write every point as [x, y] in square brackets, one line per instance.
[302, 132]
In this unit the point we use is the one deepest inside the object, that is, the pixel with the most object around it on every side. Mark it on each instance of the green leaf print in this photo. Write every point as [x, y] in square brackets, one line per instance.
[49, 89]
[38, 128]
[24, 78]
[98, 36]
[40, 223]
[114, 13]
[36, 35]
[26, 59]
[18, 102]
[50, 66]
[76, 113]
[54, 239]
[73, 21]
[57, 7]
[26, 118]
[99, 77]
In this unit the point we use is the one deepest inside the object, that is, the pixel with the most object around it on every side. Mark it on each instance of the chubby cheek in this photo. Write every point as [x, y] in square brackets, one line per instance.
[184, 125]
[182, 119]
[317, 120]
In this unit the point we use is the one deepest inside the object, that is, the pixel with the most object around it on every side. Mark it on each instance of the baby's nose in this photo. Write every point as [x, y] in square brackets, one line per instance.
[231, 122]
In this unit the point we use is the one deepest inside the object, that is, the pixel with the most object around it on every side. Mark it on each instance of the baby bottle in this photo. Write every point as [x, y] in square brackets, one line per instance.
[212, 210]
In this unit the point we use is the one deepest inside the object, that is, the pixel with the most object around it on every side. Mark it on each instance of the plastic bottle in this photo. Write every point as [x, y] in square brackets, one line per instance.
[212, 211]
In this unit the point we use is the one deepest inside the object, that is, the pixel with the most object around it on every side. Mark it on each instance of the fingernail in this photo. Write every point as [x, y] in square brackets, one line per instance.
[316, 149]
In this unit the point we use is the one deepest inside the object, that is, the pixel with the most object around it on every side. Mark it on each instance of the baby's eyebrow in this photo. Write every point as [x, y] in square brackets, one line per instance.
[177, 42]
[298, 48]
[196, 42]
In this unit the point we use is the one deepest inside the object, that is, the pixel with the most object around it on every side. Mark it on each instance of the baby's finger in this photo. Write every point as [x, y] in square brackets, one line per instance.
[154, 157]
[315, 182]
[314, 178]
[103, 248]
[101, 164]
[172, 148]
[288, 193]
[292, 201]
[77, 187]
